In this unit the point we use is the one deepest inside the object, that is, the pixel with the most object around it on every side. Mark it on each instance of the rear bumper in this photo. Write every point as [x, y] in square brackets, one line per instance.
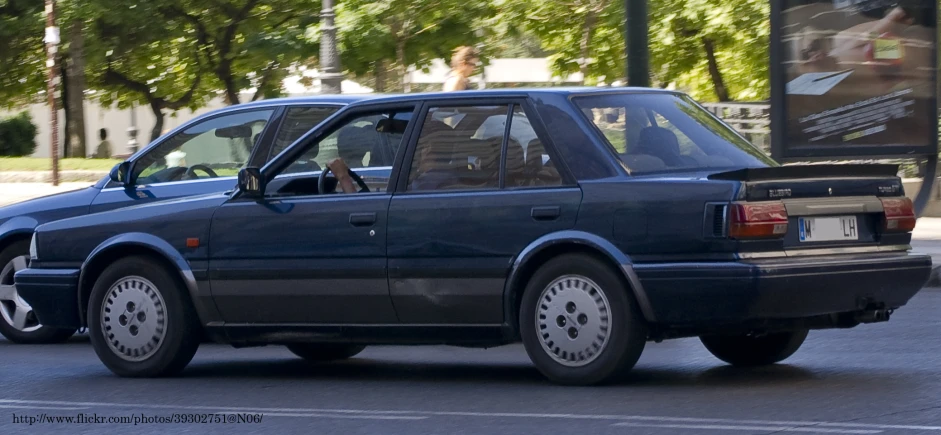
[786, 288]
[53, 295]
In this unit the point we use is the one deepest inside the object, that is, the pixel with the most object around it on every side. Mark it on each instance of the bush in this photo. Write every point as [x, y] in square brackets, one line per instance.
[17, 136]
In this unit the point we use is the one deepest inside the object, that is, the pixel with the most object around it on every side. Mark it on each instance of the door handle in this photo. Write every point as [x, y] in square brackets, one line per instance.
[546, 213]
[362, 219]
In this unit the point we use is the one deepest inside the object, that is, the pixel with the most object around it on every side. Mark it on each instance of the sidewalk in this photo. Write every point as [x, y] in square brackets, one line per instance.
[16, 192]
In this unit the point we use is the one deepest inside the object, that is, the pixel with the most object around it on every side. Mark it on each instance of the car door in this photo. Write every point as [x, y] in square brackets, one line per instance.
[477, 192]
[205, 156]
[301, 257]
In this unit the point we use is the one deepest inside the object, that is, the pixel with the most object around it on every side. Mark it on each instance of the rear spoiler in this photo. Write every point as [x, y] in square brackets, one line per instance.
[809, 171]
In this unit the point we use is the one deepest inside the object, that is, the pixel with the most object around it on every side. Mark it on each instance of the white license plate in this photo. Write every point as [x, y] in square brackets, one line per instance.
[824, 229]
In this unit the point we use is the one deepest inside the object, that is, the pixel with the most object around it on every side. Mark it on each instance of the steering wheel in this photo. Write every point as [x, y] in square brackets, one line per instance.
[322, 180]
[191, 171]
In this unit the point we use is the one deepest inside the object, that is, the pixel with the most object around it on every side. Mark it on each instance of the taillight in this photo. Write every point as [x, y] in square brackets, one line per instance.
[899, 215]
[756, 220]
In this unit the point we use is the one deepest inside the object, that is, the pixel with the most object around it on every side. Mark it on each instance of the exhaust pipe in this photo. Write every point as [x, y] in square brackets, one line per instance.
[873, 316]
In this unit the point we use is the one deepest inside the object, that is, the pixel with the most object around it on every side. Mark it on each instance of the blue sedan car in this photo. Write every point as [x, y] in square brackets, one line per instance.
[582, 222]
[202, 156]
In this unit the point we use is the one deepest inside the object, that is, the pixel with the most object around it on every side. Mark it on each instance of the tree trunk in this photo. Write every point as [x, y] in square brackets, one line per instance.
[400, 66]
[722, 93]
[380, 74]
[64, 85]
[585, 44]
[76, 91]
[157, 108]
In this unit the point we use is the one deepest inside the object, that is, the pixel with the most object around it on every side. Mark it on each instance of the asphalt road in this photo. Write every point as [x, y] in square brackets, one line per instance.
[881, 378]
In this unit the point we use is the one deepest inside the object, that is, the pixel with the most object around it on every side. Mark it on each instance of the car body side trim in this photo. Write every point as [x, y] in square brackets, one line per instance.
[806, 252]
[152, 242]
[593, 241]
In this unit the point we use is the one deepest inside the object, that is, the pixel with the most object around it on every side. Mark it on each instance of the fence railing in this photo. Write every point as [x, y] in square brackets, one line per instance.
[752, 120]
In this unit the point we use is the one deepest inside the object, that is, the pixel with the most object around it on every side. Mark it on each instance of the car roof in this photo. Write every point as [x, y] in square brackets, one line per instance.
[346, 99]
[508, 92]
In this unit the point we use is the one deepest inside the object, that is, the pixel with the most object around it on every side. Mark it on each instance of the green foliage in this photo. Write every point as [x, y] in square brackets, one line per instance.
[17, 136]
[22, 55]
[392, 34]
[739, 30]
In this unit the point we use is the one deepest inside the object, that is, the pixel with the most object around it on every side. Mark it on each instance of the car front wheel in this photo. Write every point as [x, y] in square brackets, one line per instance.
[317, 352]
[579, 322]
[18, 322]
[748, 350]
[140, 320]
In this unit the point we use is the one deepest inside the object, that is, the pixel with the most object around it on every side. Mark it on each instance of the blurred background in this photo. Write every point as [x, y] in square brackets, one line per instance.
[138, 69]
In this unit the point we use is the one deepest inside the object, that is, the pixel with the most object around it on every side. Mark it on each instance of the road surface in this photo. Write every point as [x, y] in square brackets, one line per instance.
[880, 378]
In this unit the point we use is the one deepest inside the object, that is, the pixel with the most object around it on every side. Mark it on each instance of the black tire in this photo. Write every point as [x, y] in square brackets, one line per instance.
[627, 329]
[749, 351]
[183, 332]
[323, 352]
[42, 335]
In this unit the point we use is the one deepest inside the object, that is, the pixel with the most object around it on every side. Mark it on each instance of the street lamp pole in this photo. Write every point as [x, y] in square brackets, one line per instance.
[638, 61]
[52, 41]
[331, 76]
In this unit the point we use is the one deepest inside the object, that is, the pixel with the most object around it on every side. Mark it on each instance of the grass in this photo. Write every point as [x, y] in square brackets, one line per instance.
[44, 164]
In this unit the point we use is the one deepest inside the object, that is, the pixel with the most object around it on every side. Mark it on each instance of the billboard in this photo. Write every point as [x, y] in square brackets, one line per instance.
[853, 78]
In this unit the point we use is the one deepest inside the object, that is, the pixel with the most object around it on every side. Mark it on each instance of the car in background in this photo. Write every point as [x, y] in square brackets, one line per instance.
[201, 156]
[606, 219]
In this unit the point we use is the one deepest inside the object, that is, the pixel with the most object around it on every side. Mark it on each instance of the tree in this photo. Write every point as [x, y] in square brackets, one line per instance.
[247, 43]
[722, 45]
[22, 55]
[379, 36]
[585, 36]
[141, 60]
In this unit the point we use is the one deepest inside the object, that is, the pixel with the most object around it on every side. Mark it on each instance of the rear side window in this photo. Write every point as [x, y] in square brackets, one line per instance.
[654, 133]
[297, 121]
[459, 148]
[527, 162]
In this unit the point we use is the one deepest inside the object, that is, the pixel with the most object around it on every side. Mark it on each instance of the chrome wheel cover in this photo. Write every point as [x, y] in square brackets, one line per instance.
[573, 320]
[13, 309]
[134, 318]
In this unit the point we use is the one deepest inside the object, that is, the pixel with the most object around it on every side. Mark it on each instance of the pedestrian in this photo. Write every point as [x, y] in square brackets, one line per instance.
[104, 147]
[464, 62]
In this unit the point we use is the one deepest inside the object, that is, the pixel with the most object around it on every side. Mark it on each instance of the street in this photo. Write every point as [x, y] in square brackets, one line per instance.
[878, 378]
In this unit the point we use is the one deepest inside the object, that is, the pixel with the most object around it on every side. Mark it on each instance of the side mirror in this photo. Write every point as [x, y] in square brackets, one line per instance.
[120, 173]
[251, 182]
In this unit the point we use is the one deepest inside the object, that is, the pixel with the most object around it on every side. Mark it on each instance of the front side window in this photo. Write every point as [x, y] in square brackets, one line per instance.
[297, 121]
[662, 132]
[216, 147]
[364, 141]
[459, 148]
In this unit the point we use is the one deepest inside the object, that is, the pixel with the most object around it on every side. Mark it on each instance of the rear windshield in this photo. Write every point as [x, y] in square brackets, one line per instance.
[659, 133]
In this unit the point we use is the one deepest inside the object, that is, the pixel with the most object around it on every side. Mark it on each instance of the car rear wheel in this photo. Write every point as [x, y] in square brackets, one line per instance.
[322, 352]
[140, 320]
[18, 322]
[747, 350]
[579, 322]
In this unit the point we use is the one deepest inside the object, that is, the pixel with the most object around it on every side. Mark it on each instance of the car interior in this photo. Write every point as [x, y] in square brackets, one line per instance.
[651, 142]
[457, 150]
[366, 145]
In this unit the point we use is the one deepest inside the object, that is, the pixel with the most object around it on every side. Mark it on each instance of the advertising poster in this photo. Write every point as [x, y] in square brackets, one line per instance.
[854, 78]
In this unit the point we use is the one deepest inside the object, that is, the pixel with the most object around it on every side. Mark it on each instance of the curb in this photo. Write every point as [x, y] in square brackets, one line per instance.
[46, 176]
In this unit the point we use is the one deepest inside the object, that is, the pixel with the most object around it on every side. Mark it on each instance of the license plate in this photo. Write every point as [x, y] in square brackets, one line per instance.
[825, 229]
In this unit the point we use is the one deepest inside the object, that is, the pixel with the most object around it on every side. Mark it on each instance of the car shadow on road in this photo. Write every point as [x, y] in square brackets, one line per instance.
[366, 369]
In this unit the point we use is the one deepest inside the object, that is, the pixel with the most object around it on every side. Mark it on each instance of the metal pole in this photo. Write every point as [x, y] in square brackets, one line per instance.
[331, 76]
[638, 68]
[52, 40]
